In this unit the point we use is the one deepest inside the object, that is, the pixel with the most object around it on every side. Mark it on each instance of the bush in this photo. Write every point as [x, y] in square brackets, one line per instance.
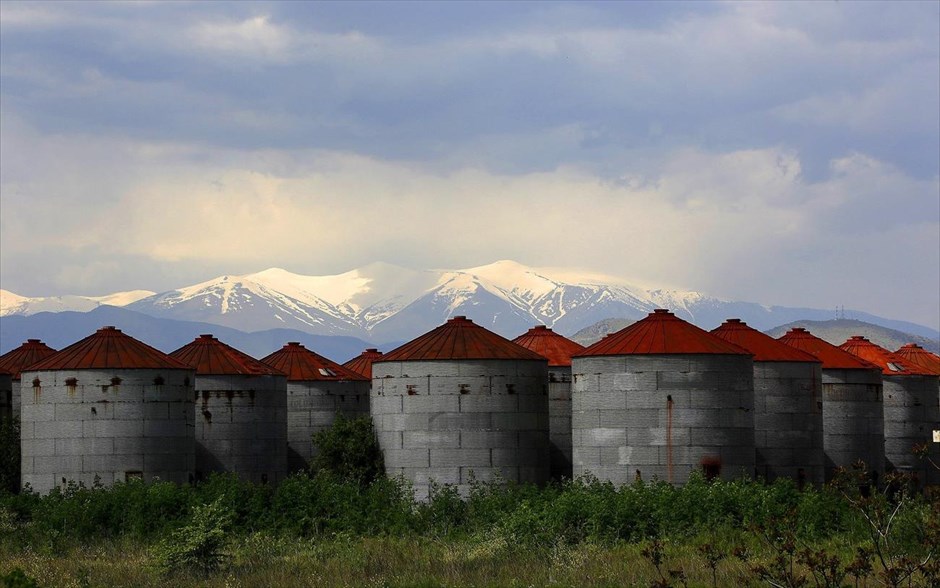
[197, 546]
[349, 450]
[17, 579]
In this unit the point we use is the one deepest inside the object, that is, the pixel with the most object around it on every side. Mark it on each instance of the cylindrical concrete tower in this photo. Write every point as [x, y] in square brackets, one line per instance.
[853, 415]
[107, 408]
[558, 351]
[15, 360]
[317, 390]
[660, 399]
[910, 408]
[458, 403]
[362, 363]
[241, 412]
[788, 414]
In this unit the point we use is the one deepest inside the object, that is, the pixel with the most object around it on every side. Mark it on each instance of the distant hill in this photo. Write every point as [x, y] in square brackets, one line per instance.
[60, 329]
[594, 333]
[838, 330]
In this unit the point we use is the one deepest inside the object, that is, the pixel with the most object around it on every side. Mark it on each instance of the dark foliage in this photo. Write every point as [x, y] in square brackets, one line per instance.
[349, 451]
[9, 454]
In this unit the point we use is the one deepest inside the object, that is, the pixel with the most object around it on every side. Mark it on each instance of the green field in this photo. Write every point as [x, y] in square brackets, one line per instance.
[324, 531]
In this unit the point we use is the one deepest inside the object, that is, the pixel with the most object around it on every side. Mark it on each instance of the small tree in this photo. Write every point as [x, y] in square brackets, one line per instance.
[898, 560]
[197, 546]
[349, 450]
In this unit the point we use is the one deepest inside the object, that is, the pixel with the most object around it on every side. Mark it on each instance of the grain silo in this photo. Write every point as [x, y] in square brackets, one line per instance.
[458, 403]
[107, 408]
[853, 418]
[788, 419]
[558, 351]
[362, 363]
[241, 412]
[317, 390]
[914, 353]
[15, 360]
[661, 399]
[910, 408]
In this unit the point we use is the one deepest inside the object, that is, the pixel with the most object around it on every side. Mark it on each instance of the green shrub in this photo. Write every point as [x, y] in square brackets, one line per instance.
[349, 450]
[325, 504]
[17, 579]
[197, 546]
[444, 512]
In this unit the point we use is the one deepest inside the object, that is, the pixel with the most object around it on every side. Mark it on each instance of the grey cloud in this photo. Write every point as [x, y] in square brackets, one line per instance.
[697, 138]
[713, 77]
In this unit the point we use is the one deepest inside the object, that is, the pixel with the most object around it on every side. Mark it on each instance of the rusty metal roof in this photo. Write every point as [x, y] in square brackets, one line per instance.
[891, 364]
[916, 354]
[26, 354]
[831, 356]
[362, 363]
[763, 347]
[459, 338]
[209, 356]
[302, 365]
[662, 333]
[108, 348]
[550, 345]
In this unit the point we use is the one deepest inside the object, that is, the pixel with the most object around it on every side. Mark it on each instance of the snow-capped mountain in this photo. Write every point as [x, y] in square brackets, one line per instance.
[382, 302]
[14, 304]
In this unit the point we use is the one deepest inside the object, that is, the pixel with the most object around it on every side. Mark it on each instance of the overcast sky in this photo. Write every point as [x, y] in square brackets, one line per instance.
[784, 153]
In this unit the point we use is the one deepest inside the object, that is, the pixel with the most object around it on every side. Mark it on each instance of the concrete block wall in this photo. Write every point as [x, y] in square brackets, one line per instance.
[6, 396]
[312, 407]
[662, 416]
[455, 421]
[910, 416]
[559, 421]
[853, 419]
[107, 426]
[241, 426]
[788, 421]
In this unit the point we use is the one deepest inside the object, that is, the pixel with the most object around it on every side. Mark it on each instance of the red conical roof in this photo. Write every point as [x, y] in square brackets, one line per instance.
[916, 354]
[108, 348]
[662, 333]
[460, 338]
[763, 347]
[209, 356]
[890, 363]
[302, 365]
[26, 354]
[550, 345]
[831, 356]
[362, 363]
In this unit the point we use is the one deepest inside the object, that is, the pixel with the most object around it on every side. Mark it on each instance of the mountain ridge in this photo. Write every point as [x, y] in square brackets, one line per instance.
[59, 329]
[382, 301]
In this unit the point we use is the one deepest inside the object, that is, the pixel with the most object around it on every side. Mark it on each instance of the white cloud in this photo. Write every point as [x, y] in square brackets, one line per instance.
[741, 224]
[690, 150]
